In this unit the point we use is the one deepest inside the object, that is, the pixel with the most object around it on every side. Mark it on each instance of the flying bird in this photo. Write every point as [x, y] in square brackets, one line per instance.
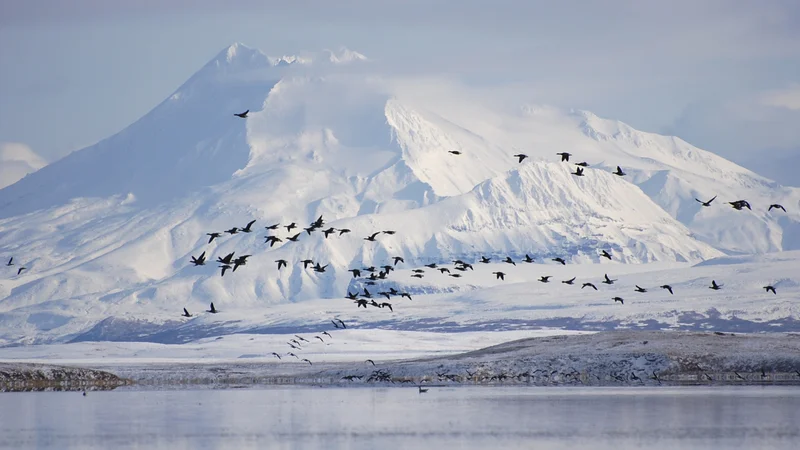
[520, 156]
[485, 260]
[281, 263]
[706, 204]
[232, 231]
[309, 362]
[227, 259]
[605, 254]
[639, 289]
[372, 236]
[301, 338]
[715, 286]
[545, 279]
[200, 260]
[608, 280]
[327, 334]
[619, 172]
[431, 265]
[528, 259]
[211, 238]
[294, 238]
[510, 261]
[342, 323]
[444, 269]
[242, 115]
[739, 204]
[356, 273]
[582, 164]
[618, 299]
[306, 262]
[212, 310]
[290, 227]
[405, 294]
[770, 289]
[667, 287]
[247, 229]
[323, 341]
[455, 152]
[387, 305]
[578, 172]
[775, 205]
[10, 261]
[399, 259]
[570, 281]
[370, 361]
[272, 240]
[328, 231]
[589, 285]
[186, 313]
[276, 355]
[273, 226]
[499, 275]
[389, 232]
[564, 156]
[343, 231]
[560, 260]
[224, 268]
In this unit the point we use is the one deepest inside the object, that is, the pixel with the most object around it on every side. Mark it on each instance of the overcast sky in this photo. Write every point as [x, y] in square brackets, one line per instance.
[722, 74]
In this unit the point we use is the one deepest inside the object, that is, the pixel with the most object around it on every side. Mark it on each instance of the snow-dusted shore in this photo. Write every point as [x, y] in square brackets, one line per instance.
[28, 377]
[607, 358]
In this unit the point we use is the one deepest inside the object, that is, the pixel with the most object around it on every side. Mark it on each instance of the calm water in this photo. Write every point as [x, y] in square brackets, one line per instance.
[398, 418]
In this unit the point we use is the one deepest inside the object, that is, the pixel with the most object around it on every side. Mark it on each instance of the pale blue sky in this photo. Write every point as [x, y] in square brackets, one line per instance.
[723, 74]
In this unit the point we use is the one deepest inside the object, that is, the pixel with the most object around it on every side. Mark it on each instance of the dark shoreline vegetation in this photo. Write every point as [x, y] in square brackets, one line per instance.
[615, 358]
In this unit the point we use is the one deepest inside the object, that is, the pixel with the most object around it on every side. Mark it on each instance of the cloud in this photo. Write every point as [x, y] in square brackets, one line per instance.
[16, 161]
[788, 98]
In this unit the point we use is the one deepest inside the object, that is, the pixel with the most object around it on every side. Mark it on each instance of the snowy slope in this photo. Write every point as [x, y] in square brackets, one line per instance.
[107, 232]
[17, 161]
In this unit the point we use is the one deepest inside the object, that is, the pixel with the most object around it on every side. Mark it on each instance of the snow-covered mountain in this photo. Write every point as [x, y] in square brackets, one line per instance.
[16, 161]
[108, 230]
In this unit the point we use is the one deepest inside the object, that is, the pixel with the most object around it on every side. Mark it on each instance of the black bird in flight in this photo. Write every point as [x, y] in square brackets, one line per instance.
[372, 236]
[186, 313]
[328, 232]
[273, 226]
[309, 230]
[276, 355]
[455, 152]
[605, 254]
[387, 305]
[212, 310]
[405, 294]
[639, 289]
[608, 280]
[564, 156]
[213, 236]
[500, 275]
[224, 268]
[294, 238]
[227, 259]
[272, 240]
[290, 227]
[589, 285]
[309, 362]
[510, 261]
[343, 231]
[240, 261]
[306, 262]
[242, 115]
[582, 164]
[398, 259]
[560, 260]
[232, 231]
[431, 265]
[667, 287]
[200, 260]
[389, 232]
[356, 272]
[247, 229]
[708, 203]
[521, 156]
[370, 361]
[444, 269]
[715, 286]
[545, 279]
[419, 275]
[342, 323]
[528, 259]
[454, 275]
[770, 289]
[618, 299]
[351, 296]
[320, 269]
[775, 205]
[335, 324]
[485, 260]
[281, 263]
[570, 281]
[301, 338]
[10, 261]
[619, 172]
[578, 172]
[320, 339]
[739, 204]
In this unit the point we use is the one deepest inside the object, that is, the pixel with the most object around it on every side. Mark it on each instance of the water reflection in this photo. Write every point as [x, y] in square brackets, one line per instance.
[364, 418]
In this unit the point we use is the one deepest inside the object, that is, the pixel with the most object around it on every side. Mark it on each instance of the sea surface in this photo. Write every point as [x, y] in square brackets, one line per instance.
[403, 418]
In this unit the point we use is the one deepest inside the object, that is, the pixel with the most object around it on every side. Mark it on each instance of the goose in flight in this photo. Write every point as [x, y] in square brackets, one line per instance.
[528, 259]
[247, 228]
[212, 310]
[582, 164]
[578, 172]
[640, 289]
[589, 285]
[510, 261]
[213, 236]
[499, 275]
[560, 260]
[770, 289]
[775, 205]
[281, 263]
[619, 172]
[232, 231]
[618, 299]
[227, 259]
[200, 260]
[242, 115]
[545, 279]
[371, 237]
[186, 313]
[399, 259]
[667, 287]
[290, 227]
[564, 156]
[485, 260]
[224, 268]
[715, 286]
[608, 280]
[708, 203]
[605, 254]
[274, 226]
[294, 238]
[455, 152]
[10, 261]
[272, 240]
[570, 281]
[309, 362]
[520, 156]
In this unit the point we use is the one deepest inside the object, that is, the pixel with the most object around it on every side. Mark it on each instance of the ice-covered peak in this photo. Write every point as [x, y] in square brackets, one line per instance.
[345, 55]
[238, 56]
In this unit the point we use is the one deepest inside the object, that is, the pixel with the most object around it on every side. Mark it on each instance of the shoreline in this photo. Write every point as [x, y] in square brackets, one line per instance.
[614, 358]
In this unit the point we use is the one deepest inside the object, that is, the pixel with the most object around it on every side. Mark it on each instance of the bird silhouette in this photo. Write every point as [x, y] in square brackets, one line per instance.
[618, 299]
[589, 285]
[608, 280]
[247, 228]
[186, 313]
[274, 226]
[708, 203]
[281, 263]
[389, 232]
[342, 323]
[356, 273]
[605, 254]
[320, 269]
[294, 238]
[343, 231]
[212, 310]
[10, 261]
[775, 205]
[528, 259]
[327, 334]
[309, 362]
[213, 236]
[242, 115]
[520, 156]
[582, 164]
[370, 361]
[564, 156]
[640, 289]
[290, 227]
[200, 260]
[372, 236]
[422, 390]
[431, 265]
[739, 204]
[715, 286]
[545, 279]
[240, 261]
[500, 275]
[578, 172]
[485, 260]
[387, 305]
[406, 295]
[301, 338]
[570, 281]
[419, 275]
[276, 355]
[227, 259]
[560, 260]
[328, 232]
[455, 152]
[232, 231]
[667, 287]
[272, 240]
[619, 172]
[306, 262]
[398, 259]
[770, 289]
[322, 340]
[444, 269]
[224, 268]
[510, 261]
